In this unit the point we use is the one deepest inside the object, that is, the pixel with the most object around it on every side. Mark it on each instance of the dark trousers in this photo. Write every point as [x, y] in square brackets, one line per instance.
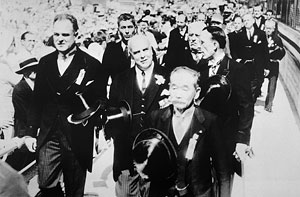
[273, 77]
[55, 158]
[256, 79]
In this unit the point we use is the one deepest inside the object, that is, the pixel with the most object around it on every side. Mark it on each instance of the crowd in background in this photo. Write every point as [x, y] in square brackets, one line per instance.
[26, 33]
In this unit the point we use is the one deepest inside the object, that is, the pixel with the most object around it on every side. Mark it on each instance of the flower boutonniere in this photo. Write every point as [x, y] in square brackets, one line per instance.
[159, 79]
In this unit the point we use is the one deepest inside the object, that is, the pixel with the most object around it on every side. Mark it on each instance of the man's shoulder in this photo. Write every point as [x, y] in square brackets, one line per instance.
[113, 45]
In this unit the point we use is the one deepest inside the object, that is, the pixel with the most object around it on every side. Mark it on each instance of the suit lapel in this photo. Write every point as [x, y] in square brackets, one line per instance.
[224, 67]
[196, 126]
[71, 74]
[153, 88]
[132, 85]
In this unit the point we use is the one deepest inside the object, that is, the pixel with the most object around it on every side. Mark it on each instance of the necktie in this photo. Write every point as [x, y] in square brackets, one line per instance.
[214, 70]
[126, 51]
[143, 82]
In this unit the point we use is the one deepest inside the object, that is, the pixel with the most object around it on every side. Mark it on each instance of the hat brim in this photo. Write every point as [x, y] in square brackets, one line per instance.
[153, 145]
[27, 67]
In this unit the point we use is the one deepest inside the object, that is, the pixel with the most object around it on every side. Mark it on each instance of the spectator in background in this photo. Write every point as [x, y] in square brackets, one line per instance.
[269, 14]
[143, 28]
[116, 57]
[276, 52]
[8, 79]
[21, 99]
[178, 47]
[251, 49]
[28, 42]
[98, 45]
[259, 18]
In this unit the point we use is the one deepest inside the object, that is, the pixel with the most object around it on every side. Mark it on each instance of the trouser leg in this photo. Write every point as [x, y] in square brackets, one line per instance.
[49, 169]
[74, 175]
[271, 91]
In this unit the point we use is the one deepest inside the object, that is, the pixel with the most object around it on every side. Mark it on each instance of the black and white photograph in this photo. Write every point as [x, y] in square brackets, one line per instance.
[149, 98]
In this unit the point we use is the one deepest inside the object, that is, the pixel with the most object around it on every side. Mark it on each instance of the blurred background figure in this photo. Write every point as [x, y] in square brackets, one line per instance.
[98, 45]
[21, 98]
[26, 49]
[12, 184]
[276, 52]
[8, 80]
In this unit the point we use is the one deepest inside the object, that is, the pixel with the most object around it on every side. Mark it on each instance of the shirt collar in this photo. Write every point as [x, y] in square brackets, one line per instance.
[187, 113]
[123, 45]
[68, 55]
[148, 72]
[216, 60]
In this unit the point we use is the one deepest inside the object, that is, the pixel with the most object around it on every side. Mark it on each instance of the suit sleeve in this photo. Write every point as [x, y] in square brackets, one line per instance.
[245, 105]
[20, 123]
[39, 96]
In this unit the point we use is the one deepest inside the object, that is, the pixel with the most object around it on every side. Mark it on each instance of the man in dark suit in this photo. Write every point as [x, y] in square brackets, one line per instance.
[234, 108]
[259, 18]
[116, 57]
[251, 49]
[64, 78]
[141, 86]
[21, 98]
[277, 52]
[178, 46]
[196, 137]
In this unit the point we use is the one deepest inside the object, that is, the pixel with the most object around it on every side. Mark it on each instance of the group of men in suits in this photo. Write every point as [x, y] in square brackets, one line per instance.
[168, 98]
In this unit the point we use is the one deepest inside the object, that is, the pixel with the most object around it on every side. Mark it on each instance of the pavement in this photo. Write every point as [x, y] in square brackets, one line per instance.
[274, 171]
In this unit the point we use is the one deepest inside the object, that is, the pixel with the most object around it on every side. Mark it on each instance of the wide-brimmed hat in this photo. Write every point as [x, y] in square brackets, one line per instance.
[154, 149]
[29, 63]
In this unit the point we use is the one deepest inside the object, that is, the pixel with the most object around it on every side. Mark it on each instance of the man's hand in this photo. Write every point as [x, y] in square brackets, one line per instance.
[30, 143]
[242, 151]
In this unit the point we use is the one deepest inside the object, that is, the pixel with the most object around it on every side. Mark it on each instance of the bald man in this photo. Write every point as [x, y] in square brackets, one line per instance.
[141, 86]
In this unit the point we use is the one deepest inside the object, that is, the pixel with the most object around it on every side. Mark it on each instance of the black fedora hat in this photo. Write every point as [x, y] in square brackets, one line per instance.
[29, 63]
[153, 149]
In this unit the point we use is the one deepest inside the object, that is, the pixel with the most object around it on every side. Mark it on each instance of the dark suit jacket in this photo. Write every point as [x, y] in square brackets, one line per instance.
[178, 53]
[21, 98]
[197, 172]
[125, 87]
[114, 59]
[276, 52]
[54, 100]
[261, 26]
[256, 48]
[236, 114]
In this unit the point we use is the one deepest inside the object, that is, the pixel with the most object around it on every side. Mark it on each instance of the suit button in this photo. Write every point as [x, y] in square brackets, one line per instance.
[143, 99]
[142, 106]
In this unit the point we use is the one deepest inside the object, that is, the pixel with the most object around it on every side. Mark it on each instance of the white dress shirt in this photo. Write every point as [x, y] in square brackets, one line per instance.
[214, 64]
[148, 75]
[64, 61]
[181, 122]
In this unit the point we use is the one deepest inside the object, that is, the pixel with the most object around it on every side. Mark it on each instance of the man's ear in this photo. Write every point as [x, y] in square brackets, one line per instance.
[196, 97]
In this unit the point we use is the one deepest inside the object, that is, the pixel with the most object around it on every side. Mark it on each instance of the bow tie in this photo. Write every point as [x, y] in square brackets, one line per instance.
[195, 51]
